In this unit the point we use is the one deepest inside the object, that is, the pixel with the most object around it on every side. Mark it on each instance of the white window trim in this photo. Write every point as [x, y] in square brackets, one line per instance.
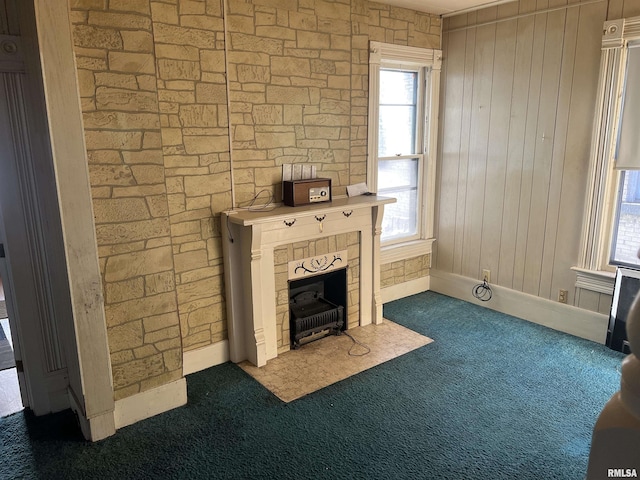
[601, 196]
[389, 54]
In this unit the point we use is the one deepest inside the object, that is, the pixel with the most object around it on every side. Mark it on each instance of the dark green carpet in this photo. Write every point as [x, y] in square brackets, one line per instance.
[493, 398]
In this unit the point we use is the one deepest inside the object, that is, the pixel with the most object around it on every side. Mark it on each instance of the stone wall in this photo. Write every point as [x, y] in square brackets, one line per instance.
[190, 64]
[298, 77]
[404, 270]
[153, 81]
[118, 88]
[301, 250]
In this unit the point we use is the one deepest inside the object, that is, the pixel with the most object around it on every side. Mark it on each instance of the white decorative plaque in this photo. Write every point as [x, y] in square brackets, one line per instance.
[318, 264]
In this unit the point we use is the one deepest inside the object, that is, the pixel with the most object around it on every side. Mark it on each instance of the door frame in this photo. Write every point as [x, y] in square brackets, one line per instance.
[45, 29]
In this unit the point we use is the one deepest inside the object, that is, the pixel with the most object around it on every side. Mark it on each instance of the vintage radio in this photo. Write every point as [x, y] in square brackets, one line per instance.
[304, 192]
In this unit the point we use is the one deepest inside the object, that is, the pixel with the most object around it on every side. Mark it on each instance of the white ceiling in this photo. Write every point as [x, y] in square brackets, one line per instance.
[444, 7]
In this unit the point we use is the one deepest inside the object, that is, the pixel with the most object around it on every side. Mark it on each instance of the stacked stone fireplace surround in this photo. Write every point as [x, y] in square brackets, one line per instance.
[310, 248]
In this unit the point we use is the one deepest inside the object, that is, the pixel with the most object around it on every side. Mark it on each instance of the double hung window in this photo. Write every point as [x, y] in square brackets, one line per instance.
[625, 239]
[400, 152]
[403, 111]
[611, 233]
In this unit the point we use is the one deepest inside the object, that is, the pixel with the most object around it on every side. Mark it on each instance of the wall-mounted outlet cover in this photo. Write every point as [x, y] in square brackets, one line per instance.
[486, 275]
[562, 296]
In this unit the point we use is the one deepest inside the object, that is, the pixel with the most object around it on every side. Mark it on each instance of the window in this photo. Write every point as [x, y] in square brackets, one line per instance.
[611, 233]
[625, 241]
[403, 112]
[626, 227]
[400, 152]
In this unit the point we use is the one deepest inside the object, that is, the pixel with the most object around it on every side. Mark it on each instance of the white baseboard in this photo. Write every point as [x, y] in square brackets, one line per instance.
[401, 290]
[150, 402]
[205, 357]
[565, 318]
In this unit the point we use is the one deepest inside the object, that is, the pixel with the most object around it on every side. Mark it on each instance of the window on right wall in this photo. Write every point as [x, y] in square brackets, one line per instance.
[611, 234]
[625, 239]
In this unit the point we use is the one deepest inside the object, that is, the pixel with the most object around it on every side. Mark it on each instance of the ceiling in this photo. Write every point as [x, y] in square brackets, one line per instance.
[444, 7]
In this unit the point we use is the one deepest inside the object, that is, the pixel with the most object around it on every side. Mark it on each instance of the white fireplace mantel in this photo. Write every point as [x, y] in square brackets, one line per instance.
[249, 239]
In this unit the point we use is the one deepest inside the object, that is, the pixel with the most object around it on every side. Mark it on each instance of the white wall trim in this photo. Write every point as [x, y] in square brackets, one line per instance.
[405, 289]
[95, 428]
[205, 357]
[565, 318]
[150, 402]
[595, 280]
[88, 359]
[403, 251]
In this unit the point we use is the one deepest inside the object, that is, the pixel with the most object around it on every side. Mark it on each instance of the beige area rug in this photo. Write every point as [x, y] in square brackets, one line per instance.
[297, 373]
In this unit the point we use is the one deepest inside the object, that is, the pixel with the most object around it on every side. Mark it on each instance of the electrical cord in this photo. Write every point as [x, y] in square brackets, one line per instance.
[267, 206]
[357, 342]
[482, 291]
[229, 230]
[252, 207]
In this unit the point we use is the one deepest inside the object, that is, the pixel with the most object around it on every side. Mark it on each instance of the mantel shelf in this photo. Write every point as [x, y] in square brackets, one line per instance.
[247, 218]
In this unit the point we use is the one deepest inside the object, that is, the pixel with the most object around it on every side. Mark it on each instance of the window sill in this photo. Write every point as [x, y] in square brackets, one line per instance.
[595, 280]
[403, 251]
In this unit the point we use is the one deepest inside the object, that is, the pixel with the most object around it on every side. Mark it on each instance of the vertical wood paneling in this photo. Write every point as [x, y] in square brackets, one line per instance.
[615, 9]
[515, 150]
[578, 139]
[594, 301]
[528, 6]
[631, 8]
[8, 18]
[452, 94]
[622, 9]
[478, 143]
[497, 154]
[588, 300]
[604, 305]
[519, 108]
[530, 140]
[507, 10]
[547, 287]
[465, 134]
[543, 149]
[4, 23]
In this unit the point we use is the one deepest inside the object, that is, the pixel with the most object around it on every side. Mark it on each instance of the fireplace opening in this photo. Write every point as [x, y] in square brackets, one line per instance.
[317, 306]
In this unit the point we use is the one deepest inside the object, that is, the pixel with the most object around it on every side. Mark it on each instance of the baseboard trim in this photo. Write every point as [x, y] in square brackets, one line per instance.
[405, 289]
[565, 318]
[150, 402]
[205, 357]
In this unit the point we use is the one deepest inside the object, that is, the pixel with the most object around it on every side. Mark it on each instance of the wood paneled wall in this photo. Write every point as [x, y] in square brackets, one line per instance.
[518, 96]
[8, 18]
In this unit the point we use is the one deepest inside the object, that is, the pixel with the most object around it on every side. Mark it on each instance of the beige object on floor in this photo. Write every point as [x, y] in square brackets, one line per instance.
[318, 364]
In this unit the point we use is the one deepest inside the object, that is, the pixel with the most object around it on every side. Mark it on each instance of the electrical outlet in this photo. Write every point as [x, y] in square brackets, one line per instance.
[486, 275]
[562, 296]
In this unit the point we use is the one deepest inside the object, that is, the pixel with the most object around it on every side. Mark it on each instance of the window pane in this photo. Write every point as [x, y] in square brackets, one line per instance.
[398, 109]
[398, 87]
[626, 239]
[628, 155]
[399, 179]
[397, 130]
